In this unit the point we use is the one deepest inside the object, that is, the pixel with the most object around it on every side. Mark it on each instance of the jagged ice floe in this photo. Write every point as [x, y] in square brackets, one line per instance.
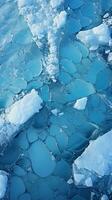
[95, 161]
[93, 38]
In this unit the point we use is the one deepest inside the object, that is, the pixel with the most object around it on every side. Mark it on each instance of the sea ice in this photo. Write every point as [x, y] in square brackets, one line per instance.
[45, 21]
[3, 183]
[43, 162]
[23, 109]
[80, 104]
[95, 161]
[96, 36]
[17, 114]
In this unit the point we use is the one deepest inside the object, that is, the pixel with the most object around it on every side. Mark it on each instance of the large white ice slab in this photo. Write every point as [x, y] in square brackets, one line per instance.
[96, 159]
[18, 114]
[23, 109]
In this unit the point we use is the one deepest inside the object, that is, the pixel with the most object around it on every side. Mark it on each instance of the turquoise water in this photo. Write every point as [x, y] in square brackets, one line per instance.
[39, 159]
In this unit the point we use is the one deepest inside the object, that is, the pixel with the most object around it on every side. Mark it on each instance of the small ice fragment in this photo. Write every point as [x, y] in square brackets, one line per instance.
[110, 57]
[104, 197]
[70, 181]
[80, 104]
[88, 182]
[3, 183]
[55, 111]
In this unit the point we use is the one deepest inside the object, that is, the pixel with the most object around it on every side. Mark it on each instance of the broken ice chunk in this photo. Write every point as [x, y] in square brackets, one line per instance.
[104, 197]
[96, 36]
[3, 183]
[80, 104]
[23, 109]
[95, 161]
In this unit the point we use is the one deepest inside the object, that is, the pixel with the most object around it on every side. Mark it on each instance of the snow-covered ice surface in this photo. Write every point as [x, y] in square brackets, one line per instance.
[96, 36]
[99, 162]
[55, 99]
[17, 114]
[45, 21]
[23, 109]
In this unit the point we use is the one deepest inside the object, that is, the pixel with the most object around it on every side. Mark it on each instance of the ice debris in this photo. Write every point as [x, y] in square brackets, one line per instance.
[17, 114]
[3, 183]
[45, 21]
[93, 38]
[104, 197]
[95, 161]
[80, 104]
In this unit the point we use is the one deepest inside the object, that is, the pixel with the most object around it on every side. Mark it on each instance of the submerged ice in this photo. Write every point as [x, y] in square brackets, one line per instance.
[55, 100]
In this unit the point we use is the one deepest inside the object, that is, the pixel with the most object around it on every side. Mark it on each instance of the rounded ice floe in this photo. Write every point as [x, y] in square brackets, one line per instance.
[23, 109]
[17, 187]
[3, 183]
[104, 197]
[43, 162]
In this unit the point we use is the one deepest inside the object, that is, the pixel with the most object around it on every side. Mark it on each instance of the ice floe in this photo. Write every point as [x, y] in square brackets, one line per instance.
[93, 38]
[17, 114]
[94, 162]
[23, 109]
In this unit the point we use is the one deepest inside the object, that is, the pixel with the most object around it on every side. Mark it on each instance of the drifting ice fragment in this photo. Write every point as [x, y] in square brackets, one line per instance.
[80, 104]
[3, 183]
[104, 197]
